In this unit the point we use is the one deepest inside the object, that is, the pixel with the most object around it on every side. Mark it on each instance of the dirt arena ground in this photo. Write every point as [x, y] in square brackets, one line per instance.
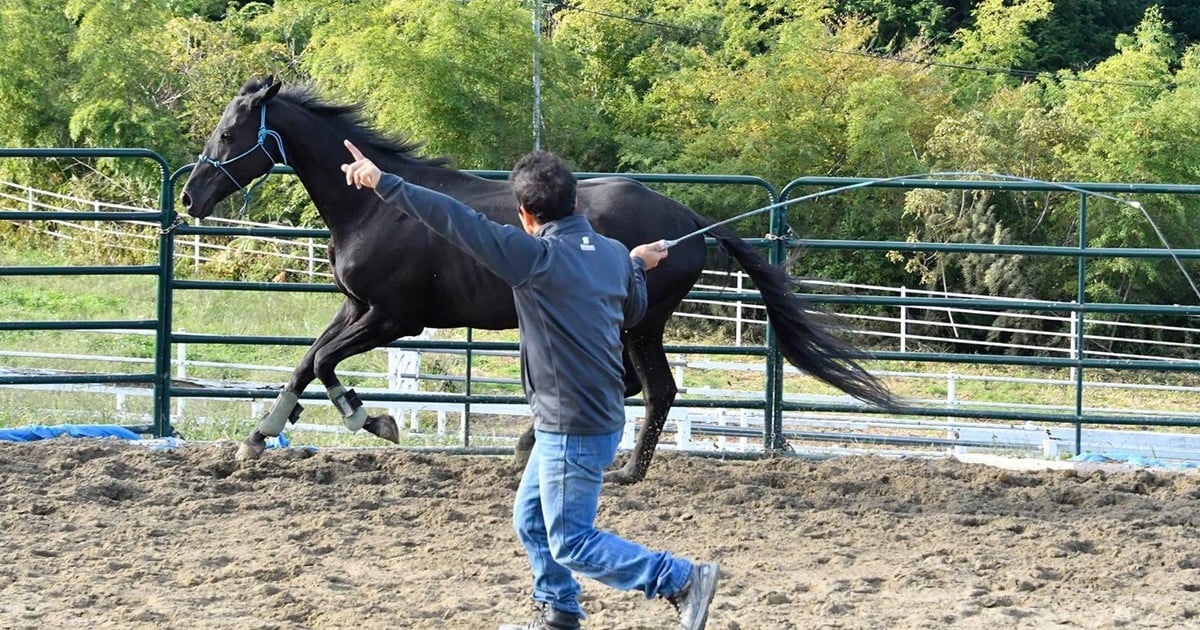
[97, 534]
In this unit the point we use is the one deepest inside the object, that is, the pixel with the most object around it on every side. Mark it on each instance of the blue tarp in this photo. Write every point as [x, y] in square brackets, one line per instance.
[42, 432]
[1131, 459]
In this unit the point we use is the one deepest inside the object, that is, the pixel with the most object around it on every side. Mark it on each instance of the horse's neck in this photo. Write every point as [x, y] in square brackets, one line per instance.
[317, 158]
[474, 191]
[317, 163]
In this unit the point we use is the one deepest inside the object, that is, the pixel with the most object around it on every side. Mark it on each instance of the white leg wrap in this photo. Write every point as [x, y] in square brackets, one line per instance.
[277, 418]
[354, 415]
[356, 420]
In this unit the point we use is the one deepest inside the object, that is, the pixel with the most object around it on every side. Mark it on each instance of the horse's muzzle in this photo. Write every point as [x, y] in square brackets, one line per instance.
[190, 205]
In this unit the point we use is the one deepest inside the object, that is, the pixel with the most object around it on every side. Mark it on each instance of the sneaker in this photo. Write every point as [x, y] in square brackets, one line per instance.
[697, 593]
[547, 618]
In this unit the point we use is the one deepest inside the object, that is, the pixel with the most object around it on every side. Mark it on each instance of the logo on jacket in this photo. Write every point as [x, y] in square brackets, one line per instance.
[586, 245]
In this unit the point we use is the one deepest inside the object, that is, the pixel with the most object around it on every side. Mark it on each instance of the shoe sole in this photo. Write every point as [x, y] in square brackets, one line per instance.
[708, 594]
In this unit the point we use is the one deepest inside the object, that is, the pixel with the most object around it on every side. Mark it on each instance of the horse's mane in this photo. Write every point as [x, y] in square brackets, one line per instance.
[351, 118]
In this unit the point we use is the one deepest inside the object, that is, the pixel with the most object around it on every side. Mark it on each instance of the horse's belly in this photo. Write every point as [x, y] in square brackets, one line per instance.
[481, 305]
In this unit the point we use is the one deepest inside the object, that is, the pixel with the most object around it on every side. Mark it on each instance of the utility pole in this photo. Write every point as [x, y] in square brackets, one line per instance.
[537, 75]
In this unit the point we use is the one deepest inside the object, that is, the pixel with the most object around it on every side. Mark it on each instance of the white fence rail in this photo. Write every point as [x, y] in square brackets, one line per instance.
[404, 374]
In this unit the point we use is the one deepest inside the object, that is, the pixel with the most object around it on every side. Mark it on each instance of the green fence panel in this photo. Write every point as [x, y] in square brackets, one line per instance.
[161, 377]
[1081, 253]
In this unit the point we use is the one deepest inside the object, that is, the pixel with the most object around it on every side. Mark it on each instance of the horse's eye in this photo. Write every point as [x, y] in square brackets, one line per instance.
[226, 136]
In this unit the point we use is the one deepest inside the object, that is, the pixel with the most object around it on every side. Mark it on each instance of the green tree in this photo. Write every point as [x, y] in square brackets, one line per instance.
[997, 38]
[213, 59]
[899, 22]
[1014, 132]
[124, 93]
[408, 63]
[1118, 122]
[1075, 35]
[624, 47]
[798, 107]
[1124, 129]
[1079, 33]
[34, 76]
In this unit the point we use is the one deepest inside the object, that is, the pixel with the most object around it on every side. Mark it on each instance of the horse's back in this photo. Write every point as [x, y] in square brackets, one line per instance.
[630, 212]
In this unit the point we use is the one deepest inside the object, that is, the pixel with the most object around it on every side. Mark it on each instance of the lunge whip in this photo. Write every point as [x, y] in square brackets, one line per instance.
[667, 244]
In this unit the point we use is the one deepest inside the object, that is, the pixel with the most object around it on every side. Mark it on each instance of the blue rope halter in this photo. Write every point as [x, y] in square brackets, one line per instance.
[263, 134]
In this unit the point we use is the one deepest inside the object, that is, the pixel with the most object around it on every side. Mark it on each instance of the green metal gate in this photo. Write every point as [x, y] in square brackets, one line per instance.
[1081, 253]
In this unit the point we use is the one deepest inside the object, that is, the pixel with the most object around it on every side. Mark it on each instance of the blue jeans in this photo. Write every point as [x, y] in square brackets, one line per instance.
[555, 514]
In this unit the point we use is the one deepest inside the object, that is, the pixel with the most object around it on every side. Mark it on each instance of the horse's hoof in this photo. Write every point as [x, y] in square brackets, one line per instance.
[252, 447]
[385, 427]
[622, 477]
[247, 453]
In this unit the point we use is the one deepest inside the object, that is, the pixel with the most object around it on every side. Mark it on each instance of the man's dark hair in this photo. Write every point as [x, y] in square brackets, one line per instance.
[544, 185]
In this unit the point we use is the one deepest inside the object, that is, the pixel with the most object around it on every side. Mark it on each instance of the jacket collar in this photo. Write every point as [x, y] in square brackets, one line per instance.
[567, 225]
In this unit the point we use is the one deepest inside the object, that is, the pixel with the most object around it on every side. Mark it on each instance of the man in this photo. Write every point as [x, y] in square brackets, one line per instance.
[575, 291]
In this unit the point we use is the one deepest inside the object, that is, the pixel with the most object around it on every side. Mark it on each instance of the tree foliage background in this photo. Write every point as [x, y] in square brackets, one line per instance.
[1066, 90]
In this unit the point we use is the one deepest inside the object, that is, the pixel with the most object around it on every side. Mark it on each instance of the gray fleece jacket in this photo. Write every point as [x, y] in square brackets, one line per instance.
[575, 290]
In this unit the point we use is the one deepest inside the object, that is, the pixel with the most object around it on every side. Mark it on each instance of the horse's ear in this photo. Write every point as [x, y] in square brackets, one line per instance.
[272, 89]
[266, 91]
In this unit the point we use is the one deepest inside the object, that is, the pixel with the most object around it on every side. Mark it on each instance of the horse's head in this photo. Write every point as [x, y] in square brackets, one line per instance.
[240, 149]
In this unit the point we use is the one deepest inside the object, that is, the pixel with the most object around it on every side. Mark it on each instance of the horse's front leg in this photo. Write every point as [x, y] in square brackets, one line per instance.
[286, 407]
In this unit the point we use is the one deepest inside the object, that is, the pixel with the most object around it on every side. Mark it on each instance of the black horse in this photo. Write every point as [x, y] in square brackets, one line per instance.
[398, 277]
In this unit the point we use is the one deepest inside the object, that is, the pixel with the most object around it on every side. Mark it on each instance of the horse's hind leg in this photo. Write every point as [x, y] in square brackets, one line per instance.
[525, 442]
[287, 405]
[649, 360]
[524, 447]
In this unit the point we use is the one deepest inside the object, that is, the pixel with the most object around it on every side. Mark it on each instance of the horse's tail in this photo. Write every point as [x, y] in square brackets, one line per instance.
[802, 339]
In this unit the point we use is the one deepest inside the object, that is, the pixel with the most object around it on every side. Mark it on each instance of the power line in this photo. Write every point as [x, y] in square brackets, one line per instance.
[1014, 72]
